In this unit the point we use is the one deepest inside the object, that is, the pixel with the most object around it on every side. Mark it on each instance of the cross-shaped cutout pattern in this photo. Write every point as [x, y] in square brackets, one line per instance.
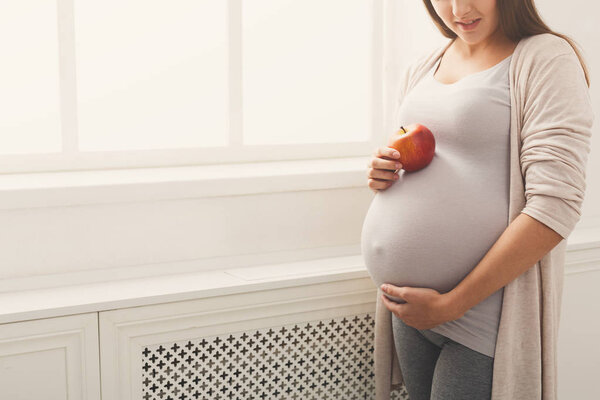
[316, 360]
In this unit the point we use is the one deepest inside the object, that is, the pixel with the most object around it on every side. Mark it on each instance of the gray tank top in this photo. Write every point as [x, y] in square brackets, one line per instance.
[433, 226]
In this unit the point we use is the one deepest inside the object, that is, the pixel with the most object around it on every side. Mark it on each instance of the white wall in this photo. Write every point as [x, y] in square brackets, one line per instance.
[579, 331]
[143, 238]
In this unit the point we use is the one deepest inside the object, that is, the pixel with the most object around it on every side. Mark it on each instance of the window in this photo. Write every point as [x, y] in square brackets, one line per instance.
[135, 83]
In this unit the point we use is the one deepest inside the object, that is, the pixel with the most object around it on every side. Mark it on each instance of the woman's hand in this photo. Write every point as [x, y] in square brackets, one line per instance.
[383, 168]
[425, 308]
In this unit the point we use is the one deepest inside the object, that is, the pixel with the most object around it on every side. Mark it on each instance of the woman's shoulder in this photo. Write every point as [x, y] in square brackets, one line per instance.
[547, 58]
[544, 46]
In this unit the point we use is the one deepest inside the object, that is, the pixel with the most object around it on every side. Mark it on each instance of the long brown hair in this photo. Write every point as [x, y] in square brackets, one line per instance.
[517, 19]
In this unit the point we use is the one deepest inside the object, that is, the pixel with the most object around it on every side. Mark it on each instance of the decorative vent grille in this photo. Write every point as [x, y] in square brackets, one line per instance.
[316, 360]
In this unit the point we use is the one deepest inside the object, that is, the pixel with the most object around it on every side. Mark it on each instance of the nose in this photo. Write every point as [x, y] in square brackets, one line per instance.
[462, 8]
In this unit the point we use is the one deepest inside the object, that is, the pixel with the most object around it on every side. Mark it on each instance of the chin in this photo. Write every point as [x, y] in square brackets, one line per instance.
[469, 40]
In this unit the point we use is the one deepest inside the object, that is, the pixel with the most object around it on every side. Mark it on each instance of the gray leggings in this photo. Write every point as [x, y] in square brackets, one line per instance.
[435, 367]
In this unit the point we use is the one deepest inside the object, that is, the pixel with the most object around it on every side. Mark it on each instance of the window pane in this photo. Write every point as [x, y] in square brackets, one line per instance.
[151, 74]
[307, 75]
[29, 82]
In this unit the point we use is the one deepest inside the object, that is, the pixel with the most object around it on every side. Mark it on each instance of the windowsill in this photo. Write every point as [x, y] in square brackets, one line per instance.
[148, 184]
[102, 296]
[583, 255]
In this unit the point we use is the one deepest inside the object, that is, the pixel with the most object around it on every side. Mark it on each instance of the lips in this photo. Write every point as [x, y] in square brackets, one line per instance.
[469, 28]
[467, 22]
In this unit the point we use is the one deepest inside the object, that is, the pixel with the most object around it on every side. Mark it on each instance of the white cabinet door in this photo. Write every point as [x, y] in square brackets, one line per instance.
[302, 342]
[50, 359]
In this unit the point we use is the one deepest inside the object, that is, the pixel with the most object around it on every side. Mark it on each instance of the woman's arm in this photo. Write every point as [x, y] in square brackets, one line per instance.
[524, 242]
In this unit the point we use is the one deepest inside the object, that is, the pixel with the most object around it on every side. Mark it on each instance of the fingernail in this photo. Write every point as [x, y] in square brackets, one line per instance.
[384, 287]
[395, 154]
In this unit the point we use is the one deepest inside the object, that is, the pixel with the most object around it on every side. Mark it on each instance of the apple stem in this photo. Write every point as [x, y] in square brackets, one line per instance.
[403, 130]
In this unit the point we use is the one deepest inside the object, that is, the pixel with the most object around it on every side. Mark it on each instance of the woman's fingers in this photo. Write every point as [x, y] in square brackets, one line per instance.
[376, 184]
[387, 152]
[383, 168]
[382, 174]
[386, 158]
[391, 165]
[383, 159]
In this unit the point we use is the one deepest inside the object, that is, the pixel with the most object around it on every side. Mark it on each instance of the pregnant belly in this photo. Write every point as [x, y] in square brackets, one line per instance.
[418, 241]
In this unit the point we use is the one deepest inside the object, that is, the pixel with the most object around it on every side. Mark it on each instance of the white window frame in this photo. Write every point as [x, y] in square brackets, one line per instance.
[70, 159]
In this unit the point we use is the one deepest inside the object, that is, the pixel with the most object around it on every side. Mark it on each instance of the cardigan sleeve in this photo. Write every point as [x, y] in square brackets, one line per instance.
[555, 137]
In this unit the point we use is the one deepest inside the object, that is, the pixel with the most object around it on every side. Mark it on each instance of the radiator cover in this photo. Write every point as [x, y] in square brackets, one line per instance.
[314, 360]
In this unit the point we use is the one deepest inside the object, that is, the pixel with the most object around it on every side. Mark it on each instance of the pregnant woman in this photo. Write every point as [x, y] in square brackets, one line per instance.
[471, 248]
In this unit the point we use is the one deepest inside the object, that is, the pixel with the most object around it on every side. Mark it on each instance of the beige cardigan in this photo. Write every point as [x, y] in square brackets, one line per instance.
[550, 137]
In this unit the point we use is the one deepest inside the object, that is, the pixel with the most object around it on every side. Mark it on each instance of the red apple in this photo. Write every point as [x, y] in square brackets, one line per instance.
[416, 146]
